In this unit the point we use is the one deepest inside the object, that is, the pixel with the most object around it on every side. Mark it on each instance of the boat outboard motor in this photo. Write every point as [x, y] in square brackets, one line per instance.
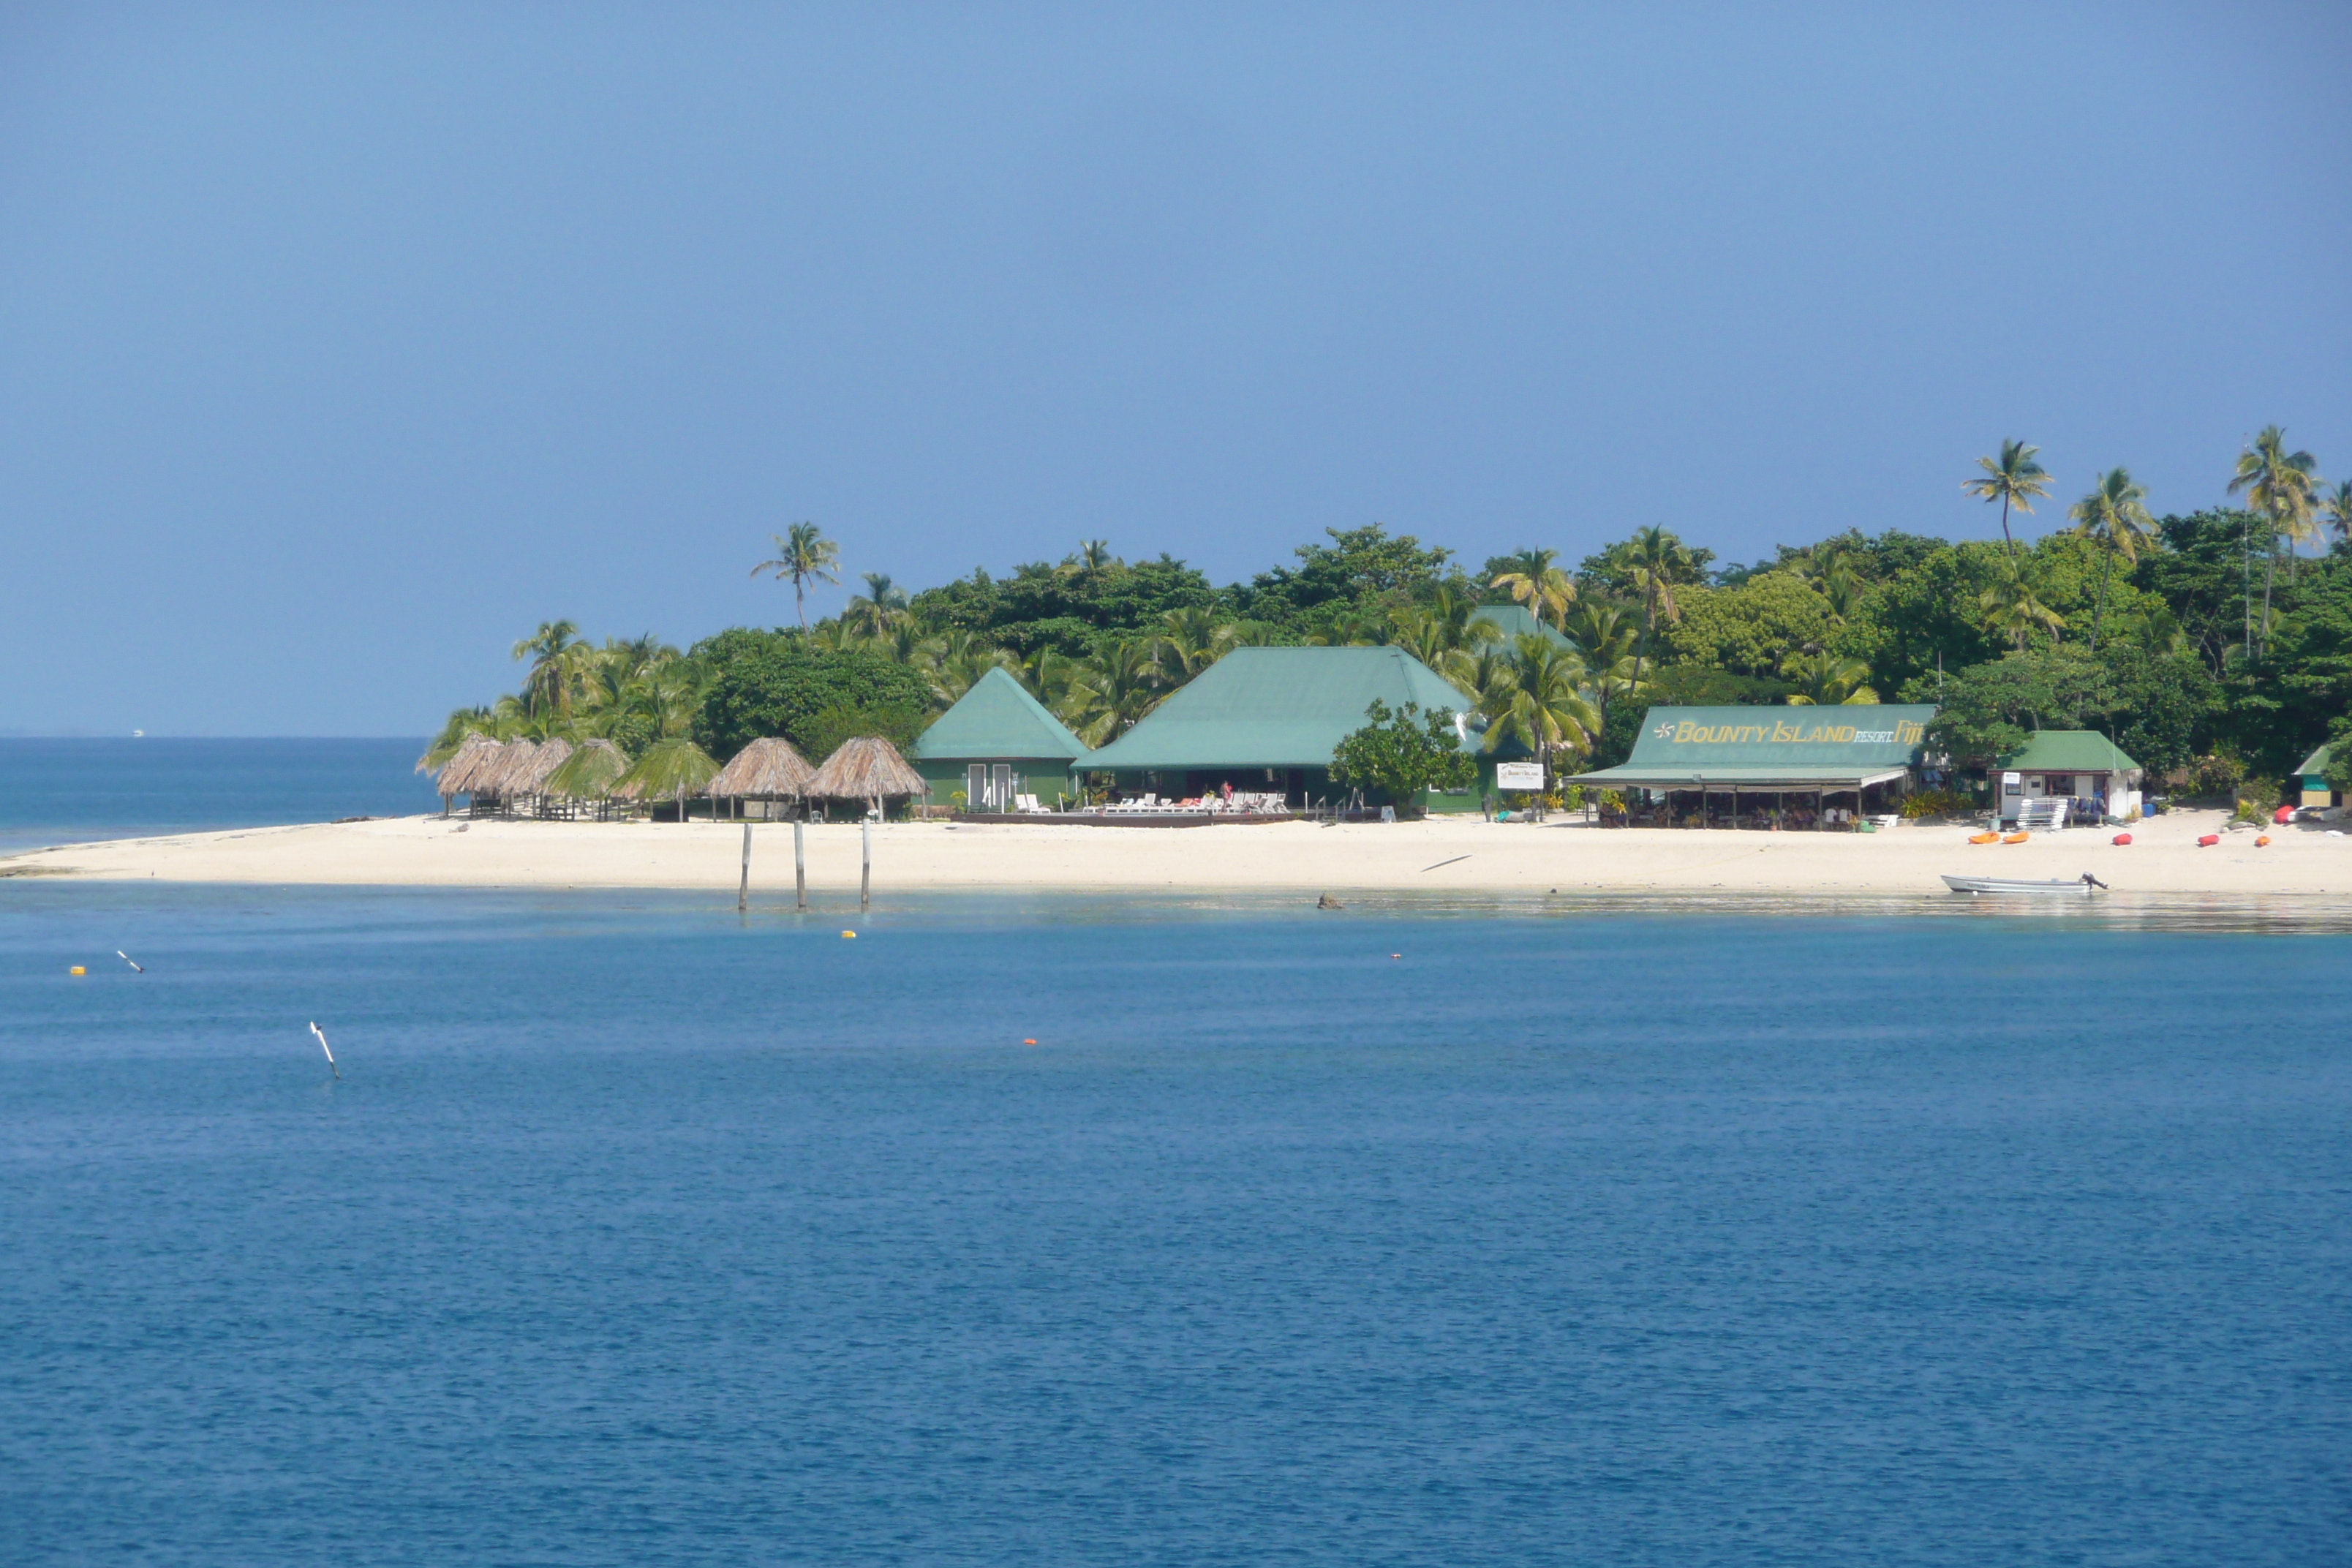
[2096, 883]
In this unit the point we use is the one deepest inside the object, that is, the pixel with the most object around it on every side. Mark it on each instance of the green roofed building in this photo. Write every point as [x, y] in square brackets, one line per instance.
[1853, 758]
[1517, 621]
[1269, 718]
[996, 742]
[2314, 775]
[2080, 765]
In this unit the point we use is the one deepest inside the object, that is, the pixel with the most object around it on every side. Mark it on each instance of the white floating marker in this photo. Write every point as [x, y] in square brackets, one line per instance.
[128, 959]
[331, 1055]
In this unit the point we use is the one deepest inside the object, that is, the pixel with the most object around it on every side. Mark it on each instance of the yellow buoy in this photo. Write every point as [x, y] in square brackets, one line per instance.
[849, 936]
[78, 969]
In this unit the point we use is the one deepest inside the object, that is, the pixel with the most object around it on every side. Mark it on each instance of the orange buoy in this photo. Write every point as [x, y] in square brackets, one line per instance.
[2208, 840]
[1028, 1042]
[2017, 838]
[1984, 838]
[849, 936]
[2120, 838]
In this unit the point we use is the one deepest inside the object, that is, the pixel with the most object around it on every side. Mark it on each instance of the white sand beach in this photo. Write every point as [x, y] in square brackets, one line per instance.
[1442, 856]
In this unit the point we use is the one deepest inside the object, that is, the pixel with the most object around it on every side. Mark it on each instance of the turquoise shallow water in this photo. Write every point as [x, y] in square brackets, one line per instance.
[638, 1233]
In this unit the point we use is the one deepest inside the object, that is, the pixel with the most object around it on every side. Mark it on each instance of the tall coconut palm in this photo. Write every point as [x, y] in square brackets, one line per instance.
[1655, 561]
[873, 613]
[955, 661]
[2014, 478]
[2336, 510]
[804, 555]
[1546, 708]
[1532, 580]
[2012, 607]
[554, 653]
[2114, 518]
[1091, 555]
[2280, 485]
[1605, 638]
[1120, 685]
[1827, 679]
[1190, 641]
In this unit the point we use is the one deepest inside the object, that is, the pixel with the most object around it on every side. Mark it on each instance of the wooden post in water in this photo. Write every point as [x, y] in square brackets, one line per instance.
[743, 888]
[800, 866]
[865, 869]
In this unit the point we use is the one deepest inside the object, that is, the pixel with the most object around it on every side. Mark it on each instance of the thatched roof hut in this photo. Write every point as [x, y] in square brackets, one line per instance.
[589, 773]
[466, 764]
[867, 768]
[513, 762]
[531, 778]
[764, 770]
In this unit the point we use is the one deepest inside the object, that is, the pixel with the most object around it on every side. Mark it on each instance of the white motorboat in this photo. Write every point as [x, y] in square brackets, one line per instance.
[2081, 887]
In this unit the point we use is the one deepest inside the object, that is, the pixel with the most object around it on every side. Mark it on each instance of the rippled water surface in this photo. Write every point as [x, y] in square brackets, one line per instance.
[637, 1233]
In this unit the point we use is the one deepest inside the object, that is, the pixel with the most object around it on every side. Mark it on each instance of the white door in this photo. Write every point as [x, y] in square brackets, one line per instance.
[975, 786]
[1001, 790]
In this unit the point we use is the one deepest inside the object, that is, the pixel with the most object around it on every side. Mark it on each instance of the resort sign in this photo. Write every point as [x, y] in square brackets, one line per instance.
[1518, 775]
[1781, 732]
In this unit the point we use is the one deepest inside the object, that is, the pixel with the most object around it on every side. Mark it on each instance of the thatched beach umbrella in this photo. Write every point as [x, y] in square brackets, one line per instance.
[457, 775]
[513, 762]
[589, 773]
[532, 779]
[764, 770]
[671, 769]
[868, 768]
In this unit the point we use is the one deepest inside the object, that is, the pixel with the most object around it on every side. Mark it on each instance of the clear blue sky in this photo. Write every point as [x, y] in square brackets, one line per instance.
[340, 345]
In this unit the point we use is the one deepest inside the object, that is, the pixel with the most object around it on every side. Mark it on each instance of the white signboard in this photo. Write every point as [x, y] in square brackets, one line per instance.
[1518, 775]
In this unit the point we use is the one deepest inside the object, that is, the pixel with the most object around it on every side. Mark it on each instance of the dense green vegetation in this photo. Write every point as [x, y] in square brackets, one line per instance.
[2214, 644]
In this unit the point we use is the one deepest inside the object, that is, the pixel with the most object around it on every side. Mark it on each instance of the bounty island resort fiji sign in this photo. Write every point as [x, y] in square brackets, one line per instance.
[1802, 748]
[1780, 732]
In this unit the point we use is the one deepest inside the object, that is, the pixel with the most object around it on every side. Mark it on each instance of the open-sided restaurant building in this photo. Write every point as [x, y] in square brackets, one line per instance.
[1266, 719]
[1795, 766]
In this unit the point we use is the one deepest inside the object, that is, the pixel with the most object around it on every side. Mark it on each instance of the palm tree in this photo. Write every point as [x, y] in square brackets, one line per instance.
[1121, 683]
[554, 652]
[1605, 638]
[1827, 679]
[1654, 561]
[1194, 639]
[2336, 512]
[1091, 555]
[882, 606]
[1546, 705]
[2114, 518]
[674, 768]
[461, 726]
[2012, 607]
[1355, 628]
[804, 556]
[2014, 478]
[1445, 634]
[1533, 581]
[2280, 485]
[956, 661]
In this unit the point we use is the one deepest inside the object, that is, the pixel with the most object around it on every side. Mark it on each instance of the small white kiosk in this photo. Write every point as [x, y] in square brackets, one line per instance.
[2082, 767]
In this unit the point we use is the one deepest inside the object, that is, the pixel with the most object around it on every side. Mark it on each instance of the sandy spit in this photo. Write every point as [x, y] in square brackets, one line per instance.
[1478, 857]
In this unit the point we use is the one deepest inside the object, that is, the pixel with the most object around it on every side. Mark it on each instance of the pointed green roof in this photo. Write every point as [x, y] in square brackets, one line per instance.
[1518, 621]
[2315, 765]
[997, 721]
[2070, 751]
[1275, 708]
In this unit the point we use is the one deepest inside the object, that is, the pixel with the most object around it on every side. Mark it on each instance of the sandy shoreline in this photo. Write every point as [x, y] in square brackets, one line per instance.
[1476, 857]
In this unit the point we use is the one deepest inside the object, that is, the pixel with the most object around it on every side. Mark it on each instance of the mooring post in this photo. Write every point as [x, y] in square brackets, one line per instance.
[865, 870]
[800, 868]
[743, 888]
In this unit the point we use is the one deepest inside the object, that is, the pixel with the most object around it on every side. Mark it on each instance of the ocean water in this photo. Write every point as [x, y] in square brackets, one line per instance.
[635, 1232]
[73, 790]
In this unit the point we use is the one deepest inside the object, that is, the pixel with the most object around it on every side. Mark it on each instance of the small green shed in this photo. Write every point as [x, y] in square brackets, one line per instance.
[2316, 791]
[2081, 765]
[996, 744]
